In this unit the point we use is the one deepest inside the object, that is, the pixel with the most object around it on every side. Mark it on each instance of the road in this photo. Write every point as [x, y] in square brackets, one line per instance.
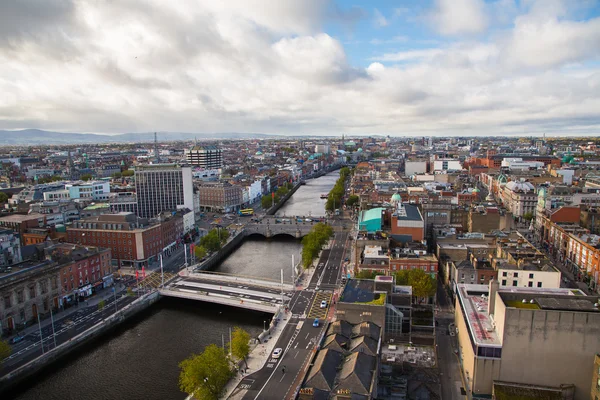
[450, 373]
[300, 338]
[66, 328]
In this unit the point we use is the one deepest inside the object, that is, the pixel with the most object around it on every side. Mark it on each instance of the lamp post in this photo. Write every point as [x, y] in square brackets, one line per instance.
[264, 326]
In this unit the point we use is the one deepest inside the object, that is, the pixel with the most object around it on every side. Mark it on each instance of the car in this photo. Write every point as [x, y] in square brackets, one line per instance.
[324, 304]
[316, 322]
[277, 353]
[346, 259]
[17, 339]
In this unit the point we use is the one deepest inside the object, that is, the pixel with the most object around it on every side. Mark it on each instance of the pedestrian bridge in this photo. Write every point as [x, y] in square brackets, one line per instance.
[236, 291]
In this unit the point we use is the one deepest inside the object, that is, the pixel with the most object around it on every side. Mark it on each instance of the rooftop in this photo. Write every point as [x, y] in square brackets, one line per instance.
[18, 218]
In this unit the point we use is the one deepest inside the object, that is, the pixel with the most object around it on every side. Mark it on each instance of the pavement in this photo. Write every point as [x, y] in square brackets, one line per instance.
[67, 324]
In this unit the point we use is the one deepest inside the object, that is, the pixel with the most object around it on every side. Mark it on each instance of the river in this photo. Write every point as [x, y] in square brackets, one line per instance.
[140, 360]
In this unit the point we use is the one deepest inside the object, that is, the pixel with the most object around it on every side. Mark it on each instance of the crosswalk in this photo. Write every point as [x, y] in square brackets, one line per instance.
[315, 309]
[155, 280]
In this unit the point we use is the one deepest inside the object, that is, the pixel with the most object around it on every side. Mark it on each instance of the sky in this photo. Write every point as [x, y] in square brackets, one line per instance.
[298, 67]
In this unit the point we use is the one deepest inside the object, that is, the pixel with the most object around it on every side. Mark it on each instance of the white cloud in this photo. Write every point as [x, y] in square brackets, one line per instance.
[455, 17]
[205, 66]
[379, 19]
[395, 39]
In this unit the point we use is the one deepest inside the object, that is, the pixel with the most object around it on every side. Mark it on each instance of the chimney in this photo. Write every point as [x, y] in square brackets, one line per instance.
[494, 286]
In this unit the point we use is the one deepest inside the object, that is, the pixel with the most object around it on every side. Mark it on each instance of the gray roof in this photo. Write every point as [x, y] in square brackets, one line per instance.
[363, 344]
[357, 373]
[341, 327]
[412, 213]
[368, 329]
[322, 373]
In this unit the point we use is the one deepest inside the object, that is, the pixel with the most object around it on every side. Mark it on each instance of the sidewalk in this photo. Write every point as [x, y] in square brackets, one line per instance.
[259, 355]
[90, 304]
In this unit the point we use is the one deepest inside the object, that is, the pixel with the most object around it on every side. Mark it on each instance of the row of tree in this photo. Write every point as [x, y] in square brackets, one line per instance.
[423, 285]
[212, 241]
[124, 174]
[314, 242]
[205, 375]
[334, 199]
[269, 200]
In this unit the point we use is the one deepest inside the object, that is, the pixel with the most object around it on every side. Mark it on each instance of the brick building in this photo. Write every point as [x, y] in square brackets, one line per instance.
[20, 223]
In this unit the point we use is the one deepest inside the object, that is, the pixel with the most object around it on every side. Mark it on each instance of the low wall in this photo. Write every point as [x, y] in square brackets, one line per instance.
[276, 207]
[63, 350]
[214, 260]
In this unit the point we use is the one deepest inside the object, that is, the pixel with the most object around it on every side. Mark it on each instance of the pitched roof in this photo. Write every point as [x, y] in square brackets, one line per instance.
[340, 327]
[368, 329]
[363, 344]
[322, 373]
[336, 342]
[357, 373]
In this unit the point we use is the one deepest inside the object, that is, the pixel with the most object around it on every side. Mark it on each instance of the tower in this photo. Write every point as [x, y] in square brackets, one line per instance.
[156, 154]
[70, 164]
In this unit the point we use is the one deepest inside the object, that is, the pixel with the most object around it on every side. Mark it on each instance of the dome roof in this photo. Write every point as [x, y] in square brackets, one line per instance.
[396, 197]
[476, 190]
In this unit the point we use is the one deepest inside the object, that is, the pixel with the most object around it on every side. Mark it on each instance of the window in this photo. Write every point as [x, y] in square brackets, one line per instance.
[539, 284]
[530, 276]
[515, 275]
[503, 282]
[515, 283]
[530, 284]
[20, 296]
[32, 292]
[505, 273]
[7, 302]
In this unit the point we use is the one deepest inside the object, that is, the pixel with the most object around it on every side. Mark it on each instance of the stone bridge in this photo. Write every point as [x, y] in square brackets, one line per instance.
[271, 229]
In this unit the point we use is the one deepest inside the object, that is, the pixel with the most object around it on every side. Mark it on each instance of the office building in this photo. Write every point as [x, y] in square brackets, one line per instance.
[163, 187]
[205, 157]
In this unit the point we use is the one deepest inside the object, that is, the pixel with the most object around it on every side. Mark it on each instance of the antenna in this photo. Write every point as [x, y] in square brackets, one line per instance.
[156, 149]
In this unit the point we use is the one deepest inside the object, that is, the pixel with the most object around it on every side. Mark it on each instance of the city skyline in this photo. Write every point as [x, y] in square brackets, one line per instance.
[439, 68]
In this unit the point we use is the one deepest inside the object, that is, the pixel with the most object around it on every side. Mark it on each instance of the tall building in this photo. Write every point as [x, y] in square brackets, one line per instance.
[206, 157]
[163, 187]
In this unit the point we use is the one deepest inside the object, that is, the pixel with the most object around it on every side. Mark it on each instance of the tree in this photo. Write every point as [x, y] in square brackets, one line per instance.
[117, 175]
[366, 274]
[127, 172]
[5, 350]
[528, 216]
[101, 304]
[240, 344]
[3, 197]
[56, 178]
[86, 177]
[199, 252]
[205, 375]
[352, 200]
[423, 285]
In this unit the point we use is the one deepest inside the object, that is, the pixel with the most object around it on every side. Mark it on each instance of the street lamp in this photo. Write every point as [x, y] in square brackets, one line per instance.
[264, 326]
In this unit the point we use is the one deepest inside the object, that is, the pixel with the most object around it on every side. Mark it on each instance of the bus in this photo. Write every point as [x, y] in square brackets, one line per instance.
[246, 212]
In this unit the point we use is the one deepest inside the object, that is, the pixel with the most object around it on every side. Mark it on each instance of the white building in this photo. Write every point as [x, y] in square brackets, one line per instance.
[97, 190]
[447, 164]
[33, 172]
[255, 191]
[189, 221]
[322, 148]
[57, 195]
[519, 198]
[415, 167]
[531, 276]
[517, 164]
[163, 187]
[207, 174]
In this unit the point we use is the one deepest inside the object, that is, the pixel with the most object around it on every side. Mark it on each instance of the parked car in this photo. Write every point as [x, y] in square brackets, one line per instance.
[323, 304]
[277, 352]
[17, 339]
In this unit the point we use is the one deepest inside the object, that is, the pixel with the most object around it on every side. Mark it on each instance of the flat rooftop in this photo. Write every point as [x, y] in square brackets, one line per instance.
[474, 300]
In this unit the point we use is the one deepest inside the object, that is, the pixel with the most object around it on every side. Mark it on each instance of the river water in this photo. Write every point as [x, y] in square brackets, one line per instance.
[140, 360]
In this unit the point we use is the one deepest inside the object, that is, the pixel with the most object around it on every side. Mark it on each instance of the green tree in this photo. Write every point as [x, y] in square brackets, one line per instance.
[117, 175]
[101, 304]
[130, 292]
[86, 177]
[205, 375]
[352, 200]
[423, 285]
[199, 252]
[56, 178]
[127, 172]
[3, 197]
[240, 344]
[5, 350]
[528, 216]
[366, 274]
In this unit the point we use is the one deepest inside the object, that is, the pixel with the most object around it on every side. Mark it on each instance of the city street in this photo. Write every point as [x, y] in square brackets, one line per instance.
[65, 327]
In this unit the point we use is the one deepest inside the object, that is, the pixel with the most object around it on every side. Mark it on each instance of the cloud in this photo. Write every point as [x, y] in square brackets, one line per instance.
[456, 17]
[395, 39]
[379, 19]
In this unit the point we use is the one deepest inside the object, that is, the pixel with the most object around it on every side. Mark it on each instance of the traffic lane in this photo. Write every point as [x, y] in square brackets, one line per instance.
[62, 335]
[265, 298]
[239, 285]
[448, 365]
[294, 360]
[301, 302]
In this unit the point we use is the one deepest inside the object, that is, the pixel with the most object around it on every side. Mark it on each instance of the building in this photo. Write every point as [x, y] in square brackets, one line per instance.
[322, 148]
[96, 190]
[133, 241]
[407, 221]
[31, 289]
[83, 270]
[163, 187]
[20, 223]
[220, 196]
[205, 157]
[370, 221]
[447, 164]
[10, 248]
[414, 167]
[596, 379]
[518, 164]
[526, 336]
[519, 198]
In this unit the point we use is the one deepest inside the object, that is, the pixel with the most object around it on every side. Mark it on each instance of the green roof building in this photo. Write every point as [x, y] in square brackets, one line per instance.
[370, 221]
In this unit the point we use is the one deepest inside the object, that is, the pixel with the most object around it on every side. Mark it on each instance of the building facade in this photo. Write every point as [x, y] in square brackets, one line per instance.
[206, 157]
[163, 187]
[221, 196]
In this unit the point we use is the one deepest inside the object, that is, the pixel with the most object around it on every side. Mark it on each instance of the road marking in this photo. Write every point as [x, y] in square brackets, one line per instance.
[297, 353]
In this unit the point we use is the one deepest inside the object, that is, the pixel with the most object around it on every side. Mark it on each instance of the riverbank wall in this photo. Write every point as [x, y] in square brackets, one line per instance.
[20, 374]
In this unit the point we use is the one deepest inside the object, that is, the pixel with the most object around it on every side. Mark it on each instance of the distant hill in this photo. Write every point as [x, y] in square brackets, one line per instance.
[38, 136]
